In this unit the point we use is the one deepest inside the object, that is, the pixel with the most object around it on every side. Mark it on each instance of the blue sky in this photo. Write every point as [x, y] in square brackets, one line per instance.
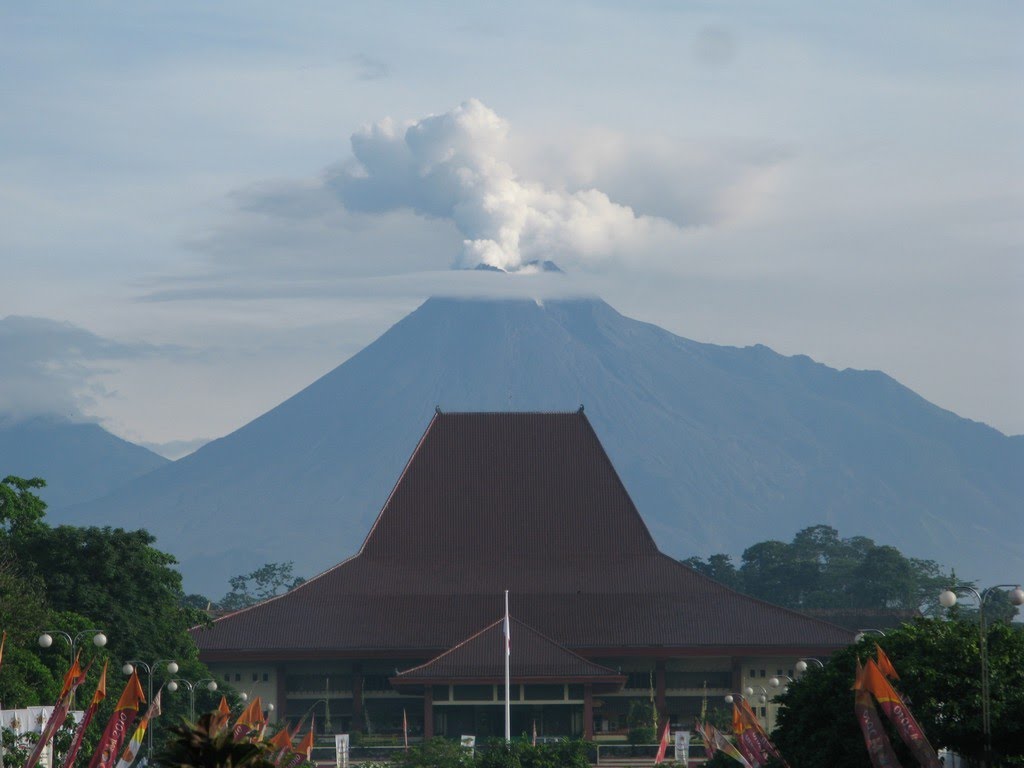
[178, 182]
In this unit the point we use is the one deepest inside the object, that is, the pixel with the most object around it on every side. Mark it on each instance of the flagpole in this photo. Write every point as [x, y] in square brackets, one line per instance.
[508, 654]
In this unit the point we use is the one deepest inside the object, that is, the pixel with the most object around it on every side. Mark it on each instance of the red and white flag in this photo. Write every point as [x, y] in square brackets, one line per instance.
[662, 744]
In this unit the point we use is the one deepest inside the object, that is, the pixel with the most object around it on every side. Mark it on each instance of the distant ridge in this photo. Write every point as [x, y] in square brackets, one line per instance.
[78, 461]
[719, 447]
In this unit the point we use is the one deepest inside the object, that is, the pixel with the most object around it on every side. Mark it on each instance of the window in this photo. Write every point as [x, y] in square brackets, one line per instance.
[227, 677]
[753, 673]
[266, 677]
[762, 673]
[778, 672]
[238, 677]
[255, 677]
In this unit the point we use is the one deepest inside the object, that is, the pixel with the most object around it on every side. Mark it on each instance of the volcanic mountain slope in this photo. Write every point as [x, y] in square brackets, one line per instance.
[78, 461]
[719, 447]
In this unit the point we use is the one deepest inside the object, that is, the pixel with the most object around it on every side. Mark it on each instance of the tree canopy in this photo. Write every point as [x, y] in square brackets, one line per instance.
[77, 580]
[820, 570]
[940, 679]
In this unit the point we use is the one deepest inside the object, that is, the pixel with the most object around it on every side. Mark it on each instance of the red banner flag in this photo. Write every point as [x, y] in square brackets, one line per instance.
[879, 749]
[114, 734]
[97, 698]
[746, 739]
[72, 679]
[766, 746]
[899, 714]
[662, 743]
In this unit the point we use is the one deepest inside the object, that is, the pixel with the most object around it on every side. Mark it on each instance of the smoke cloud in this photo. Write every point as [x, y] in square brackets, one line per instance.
[456, 166]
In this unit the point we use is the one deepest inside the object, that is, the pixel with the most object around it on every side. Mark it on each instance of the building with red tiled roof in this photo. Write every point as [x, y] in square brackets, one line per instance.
[527, 502]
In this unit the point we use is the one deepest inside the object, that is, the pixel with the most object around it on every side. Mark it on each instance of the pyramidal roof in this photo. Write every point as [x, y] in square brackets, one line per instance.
[528, 502]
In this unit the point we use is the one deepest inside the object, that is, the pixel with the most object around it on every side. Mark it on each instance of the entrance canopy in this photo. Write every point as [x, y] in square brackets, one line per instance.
[534, 658]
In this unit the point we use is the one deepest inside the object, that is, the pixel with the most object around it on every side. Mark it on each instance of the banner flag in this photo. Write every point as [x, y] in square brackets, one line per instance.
[248, 720]
[222, 715]
[131, 751]
[766, 746]
[72, 679]
[884, 664]
[282, 743]
[662, 743]
[114, 734]
[899, 714]
[260, 726]
[722, 744]
[3, 641]
[533, 740]
[405, 729]
[879, 749]
[305, 749]
[97, 698]
[746, 739]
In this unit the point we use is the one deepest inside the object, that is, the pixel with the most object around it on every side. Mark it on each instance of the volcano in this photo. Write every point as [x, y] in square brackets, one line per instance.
[719, 447]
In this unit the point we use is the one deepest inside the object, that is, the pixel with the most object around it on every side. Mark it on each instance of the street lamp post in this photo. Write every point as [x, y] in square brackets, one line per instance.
[211, 686]
[802, 664]
[862, 633]
[948, 599]
[99, 639]
[150, 669]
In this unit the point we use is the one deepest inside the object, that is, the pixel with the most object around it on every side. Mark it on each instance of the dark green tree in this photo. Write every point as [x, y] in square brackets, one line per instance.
[263, 583]
[940, 677]
[820, 570]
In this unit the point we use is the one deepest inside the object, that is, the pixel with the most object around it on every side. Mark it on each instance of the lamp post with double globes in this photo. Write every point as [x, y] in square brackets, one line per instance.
[948, 599]
[150, 670]
[99, 639]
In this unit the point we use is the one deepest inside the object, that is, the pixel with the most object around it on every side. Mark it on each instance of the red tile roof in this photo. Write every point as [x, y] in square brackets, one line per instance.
[481, 658]
[527, 502]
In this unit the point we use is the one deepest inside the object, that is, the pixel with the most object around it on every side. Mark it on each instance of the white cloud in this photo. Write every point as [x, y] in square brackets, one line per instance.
[457, 166]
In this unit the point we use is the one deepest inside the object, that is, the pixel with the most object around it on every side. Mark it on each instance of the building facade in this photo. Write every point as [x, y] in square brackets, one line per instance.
[411, 626]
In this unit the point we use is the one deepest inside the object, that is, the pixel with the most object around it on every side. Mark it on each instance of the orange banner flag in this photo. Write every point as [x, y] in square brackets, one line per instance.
[127, 709]
[97, 699]
[884, 664]
[899, 714]
[249, 720]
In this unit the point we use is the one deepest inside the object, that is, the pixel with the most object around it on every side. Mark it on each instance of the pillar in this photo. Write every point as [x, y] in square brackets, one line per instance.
[737, 674]
[428, 712]
[357, 701]
[588, 711]
[281, 697]
[659, 689]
